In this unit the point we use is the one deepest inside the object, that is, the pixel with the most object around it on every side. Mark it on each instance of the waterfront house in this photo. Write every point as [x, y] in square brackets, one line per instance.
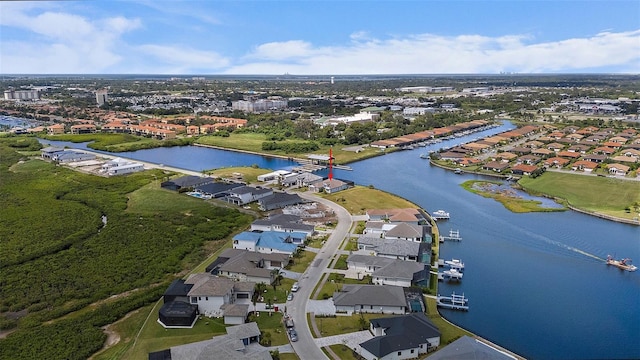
[381, 299]
[330, 186]
[401, 337]
[497, 166]
[469, 348]
[409, 232]
[284, 223]
[394, 249]
[405, 215]
[385, 271]
[522, 169]
[234, 345]
[300, 179]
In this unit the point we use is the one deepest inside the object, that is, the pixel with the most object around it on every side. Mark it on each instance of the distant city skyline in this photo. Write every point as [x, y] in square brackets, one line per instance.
[273, 37]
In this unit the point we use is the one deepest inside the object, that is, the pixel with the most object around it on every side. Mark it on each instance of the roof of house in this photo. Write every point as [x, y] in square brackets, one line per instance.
[216, 187]
[399, 269]
[401, 332]
[374, 295]
[241, 310]
[271, 239]
[280, 199]
[205, 284]
[469, 348]
[244, 331]
[178, 288]
[397, 215]
[189, 180]
[249, 190]
[285, 221]
[228, 347]
[404, 230]
[391, 246]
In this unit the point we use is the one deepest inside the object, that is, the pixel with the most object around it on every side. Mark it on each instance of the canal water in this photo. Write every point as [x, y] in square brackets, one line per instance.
[537, 283]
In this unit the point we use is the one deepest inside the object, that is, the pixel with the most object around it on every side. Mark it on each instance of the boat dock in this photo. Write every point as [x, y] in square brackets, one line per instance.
[454, 235]
[455, 302]
[440, 215]
[452, 274]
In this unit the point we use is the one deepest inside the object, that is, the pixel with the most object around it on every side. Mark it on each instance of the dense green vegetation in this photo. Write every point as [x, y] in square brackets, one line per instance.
[119, 142]
[506, 198]
[58, 256]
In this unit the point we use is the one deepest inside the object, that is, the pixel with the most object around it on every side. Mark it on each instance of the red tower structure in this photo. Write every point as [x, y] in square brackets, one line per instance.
[330, 165]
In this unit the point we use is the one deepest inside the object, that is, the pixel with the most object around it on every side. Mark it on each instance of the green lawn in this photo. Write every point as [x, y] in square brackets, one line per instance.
[344, 352]
[341, 262]
[605, 195]
[279, 295]
[253, 142]
[301, 262]
[329, 326]
[335, 281]
[449, 331]
[317, 241]
[272, 323]
[360, 198]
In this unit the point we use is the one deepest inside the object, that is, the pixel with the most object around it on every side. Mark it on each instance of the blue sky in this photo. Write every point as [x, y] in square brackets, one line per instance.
[319, 37]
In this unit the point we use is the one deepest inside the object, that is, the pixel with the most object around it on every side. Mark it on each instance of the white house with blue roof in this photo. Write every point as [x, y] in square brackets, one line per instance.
[268, 242]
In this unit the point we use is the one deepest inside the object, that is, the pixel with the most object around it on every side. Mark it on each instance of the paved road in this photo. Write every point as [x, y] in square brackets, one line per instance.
[306, 347]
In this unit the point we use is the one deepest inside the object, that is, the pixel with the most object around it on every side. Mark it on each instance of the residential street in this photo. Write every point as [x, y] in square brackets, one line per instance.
[306, 346]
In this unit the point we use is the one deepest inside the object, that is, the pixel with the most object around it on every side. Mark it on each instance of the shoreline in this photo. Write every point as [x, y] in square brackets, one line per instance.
[571, 207]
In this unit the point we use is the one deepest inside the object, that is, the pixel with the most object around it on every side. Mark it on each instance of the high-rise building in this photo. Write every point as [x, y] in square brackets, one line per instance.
[101, 97]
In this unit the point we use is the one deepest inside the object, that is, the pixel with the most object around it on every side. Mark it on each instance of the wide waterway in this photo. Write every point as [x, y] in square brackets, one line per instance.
[537, 282]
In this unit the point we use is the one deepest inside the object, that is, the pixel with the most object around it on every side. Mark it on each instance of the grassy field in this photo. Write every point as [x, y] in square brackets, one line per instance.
[335, 281]
[253, 142]
[359, 199]
[343, 352]
[329, 326]
[449, 331]
[249, 174]
[604, 195]
[512, 203]
[119, 142]
[302, 261]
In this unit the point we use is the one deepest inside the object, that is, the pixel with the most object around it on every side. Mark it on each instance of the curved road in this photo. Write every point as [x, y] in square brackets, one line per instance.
[306, 347]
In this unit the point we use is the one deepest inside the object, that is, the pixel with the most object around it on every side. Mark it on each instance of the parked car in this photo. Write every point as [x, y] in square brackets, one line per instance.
[295, 287]
[290, 297]
[293, 335]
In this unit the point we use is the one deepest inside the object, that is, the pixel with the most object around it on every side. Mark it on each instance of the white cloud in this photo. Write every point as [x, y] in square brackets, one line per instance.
[60, 42]
[428, 53]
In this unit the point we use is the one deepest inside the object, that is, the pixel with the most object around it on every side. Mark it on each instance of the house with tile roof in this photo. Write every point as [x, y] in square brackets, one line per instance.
[618, 169]
[409, 232]
[469, 348]
[400, 337]
[394, 249]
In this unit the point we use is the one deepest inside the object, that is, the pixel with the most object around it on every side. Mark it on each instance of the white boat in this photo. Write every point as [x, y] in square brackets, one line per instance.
[440, 214]
[455, 264]
[621, 264]
[452, 274]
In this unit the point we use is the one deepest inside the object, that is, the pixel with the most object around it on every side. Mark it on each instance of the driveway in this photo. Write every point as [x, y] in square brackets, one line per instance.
[321, 307]
[352, 340]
